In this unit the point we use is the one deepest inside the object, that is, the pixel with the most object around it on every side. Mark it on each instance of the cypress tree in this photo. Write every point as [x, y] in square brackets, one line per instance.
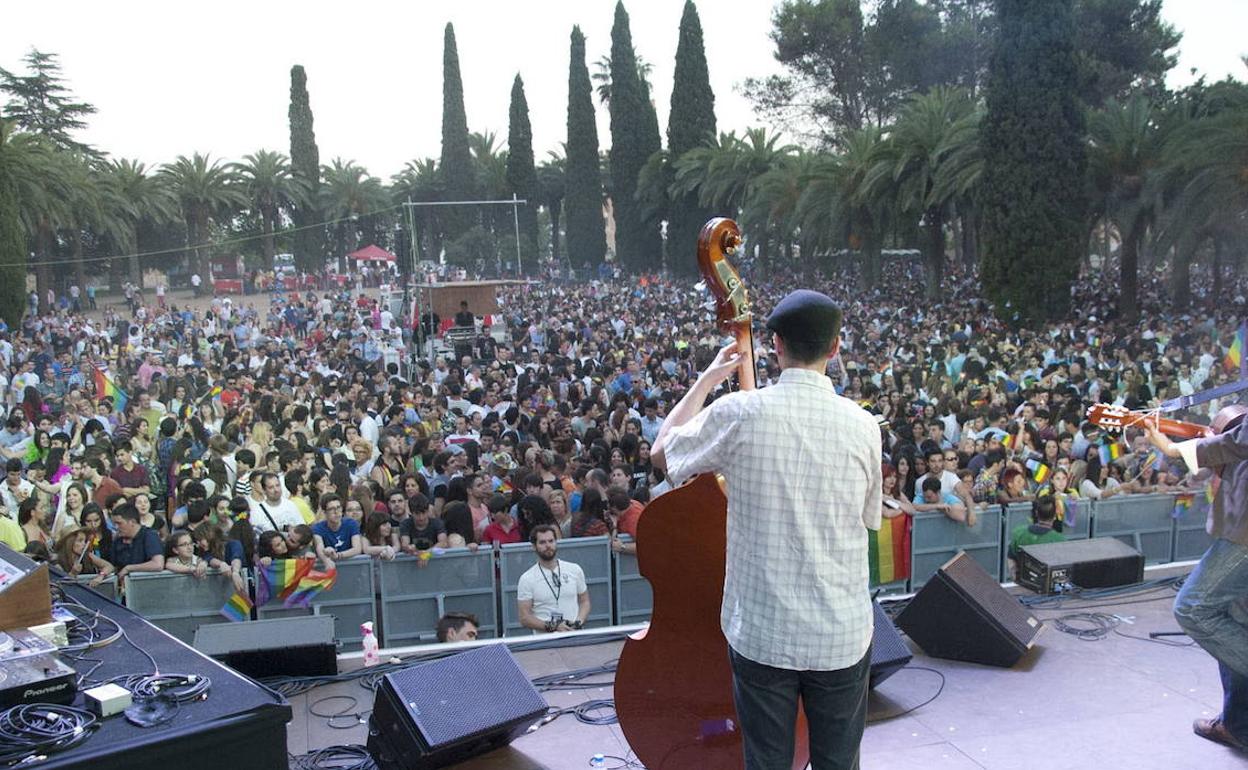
[1032, 200]
[633, 140]
[456, 165]
[690, 124]
[582, 202]
[305, 164]
[12, 249]
[521, 171]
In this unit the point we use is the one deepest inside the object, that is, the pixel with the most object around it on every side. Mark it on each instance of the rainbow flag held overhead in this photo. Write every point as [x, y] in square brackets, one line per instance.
[237, 608]
[1008, 441]
[1040, 472]
[889, 551]
[1110, 451]
[105, 387]
[1235, 355]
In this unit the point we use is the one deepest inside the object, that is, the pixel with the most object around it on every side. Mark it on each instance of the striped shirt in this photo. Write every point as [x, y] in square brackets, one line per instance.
[802, 466]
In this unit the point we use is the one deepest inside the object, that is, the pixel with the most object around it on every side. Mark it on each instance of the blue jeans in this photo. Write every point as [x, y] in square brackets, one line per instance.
[1203, 610]
[835, 703]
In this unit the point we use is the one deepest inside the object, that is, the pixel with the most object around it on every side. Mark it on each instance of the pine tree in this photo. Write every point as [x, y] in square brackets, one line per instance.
[305, 166]
[521, 171]
[456, 164]
[40, 103]
[690, 124]
[633, 140]
[1033, 206]
[582, 202]
[12, 248]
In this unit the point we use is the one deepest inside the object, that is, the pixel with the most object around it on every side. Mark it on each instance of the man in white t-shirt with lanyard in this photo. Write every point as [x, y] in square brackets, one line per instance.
[552, 594]
[273, 512]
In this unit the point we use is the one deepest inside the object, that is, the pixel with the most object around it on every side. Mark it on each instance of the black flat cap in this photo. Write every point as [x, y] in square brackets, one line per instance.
[806, 315]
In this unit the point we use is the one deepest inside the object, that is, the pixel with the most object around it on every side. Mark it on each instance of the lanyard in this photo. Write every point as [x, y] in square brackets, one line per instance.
[555, 589]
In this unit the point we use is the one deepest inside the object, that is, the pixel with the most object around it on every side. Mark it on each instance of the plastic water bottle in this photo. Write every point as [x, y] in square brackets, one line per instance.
[371, 657]
[598, 760]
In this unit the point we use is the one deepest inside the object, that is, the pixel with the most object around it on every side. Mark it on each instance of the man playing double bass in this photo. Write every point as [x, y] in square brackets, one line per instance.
[803, 473]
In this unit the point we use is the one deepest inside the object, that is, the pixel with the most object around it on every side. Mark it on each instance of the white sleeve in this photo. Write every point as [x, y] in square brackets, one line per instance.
[524, 589]
[1187, 450]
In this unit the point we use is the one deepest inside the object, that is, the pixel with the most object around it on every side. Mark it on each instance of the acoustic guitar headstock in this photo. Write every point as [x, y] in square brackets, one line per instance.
[1111, 418]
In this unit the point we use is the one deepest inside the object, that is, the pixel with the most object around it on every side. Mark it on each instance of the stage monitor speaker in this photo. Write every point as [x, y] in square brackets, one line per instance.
[962, 613]
[889, 653]
[25, 596]
[445, 711]
[1101, 562]
[296, 646]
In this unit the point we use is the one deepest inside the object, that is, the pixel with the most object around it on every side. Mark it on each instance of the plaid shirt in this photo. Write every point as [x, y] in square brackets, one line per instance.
[802, 466]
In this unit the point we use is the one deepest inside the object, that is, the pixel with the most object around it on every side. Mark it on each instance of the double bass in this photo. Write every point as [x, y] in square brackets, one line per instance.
[673, 685]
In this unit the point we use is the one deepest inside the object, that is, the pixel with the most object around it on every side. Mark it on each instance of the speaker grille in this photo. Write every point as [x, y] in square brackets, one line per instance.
[889, 652]
[469, 693]
[978, 585]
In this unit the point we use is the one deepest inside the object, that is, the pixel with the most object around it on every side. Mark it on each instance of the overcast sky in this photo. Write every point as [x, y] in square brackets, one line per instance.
[176, 78]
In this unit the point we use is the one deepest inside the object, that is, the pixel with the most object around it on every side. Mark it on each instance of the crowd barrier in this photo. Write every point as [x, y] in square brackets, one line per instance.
[633, 598]
[179, 603]
[1144, 522]
[405, 599]
[415, 593]
[351, 601]
[1019, 514]
[592, 554]
[106, 588]
[935, 539]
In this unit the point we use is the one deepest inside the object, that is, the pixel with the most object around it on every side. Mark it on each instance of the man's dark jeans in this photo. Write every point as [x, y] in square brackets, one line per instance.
[835, 703]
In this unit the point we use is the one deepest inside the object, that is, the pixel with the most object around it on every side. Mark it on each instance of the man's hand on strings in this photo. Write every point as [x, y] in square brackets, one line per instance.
[726, 362]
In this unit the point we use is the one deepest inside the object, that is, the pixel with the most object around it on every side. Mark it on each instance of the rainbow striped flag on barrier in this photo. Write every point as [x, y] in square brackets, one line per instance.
[238, 607]
[889, 550]
[309, 586]
[280, 578]
[105, 387]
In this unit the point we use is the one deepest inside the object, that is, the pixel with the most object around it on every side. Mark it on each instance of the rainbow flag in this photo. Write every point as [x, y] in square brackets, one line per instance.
[280, 578]
[1039, 471]
[238, 608]
[309, 586]
[1008, 441]
[1182, 504]
[104, 386]
[215, 392]
[1110, 452]
[889, 550]
[1149, 460]
[1235, 355]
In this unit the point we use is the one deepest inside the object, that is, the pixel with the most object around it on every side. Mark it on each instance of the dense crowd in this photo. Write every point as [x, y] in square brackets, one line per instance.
[149, 437]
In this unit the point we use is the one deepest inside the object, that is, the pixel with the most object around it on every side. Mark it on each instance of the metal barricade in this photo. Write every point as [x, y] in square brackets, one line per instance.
[107, 587]
[179, 603]
[592, 554]
[935, 539]
[414, 597]
[1144, 522]
[1019, 514]
[351, 602]
[634, 600]
[1190, 538]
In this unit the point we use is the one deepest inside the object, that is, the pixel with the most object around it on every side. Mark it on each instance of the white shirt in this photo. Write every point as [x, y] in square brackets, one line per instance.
[284, 514]
[802, 466]
[553, 591]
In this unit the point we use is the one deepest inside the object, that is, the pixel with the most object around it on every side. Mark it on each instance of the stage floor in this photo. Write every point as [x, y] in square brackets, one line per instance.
[1116, 703]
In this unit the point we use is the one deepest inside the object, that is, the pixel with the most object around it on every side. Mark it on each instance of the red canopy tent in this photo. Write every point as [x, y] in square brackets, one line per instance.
[371, 253]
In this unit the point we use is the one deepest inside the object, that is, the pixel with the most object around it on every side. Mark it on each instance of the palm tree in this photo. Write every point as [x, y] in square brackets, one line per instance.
[207, 192]
[420, 182]
[30, 168]
[910, 160]
[140, 198]
[1124, 160]
[772, 207]
[602, 76]
[551, 187]
[271, 188]
[347, 193]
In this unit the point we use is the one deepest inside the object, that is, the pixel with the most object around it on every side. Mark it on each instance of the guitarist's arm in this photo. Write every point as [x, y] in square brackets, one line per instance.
[1211, 452]
[725, 363]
